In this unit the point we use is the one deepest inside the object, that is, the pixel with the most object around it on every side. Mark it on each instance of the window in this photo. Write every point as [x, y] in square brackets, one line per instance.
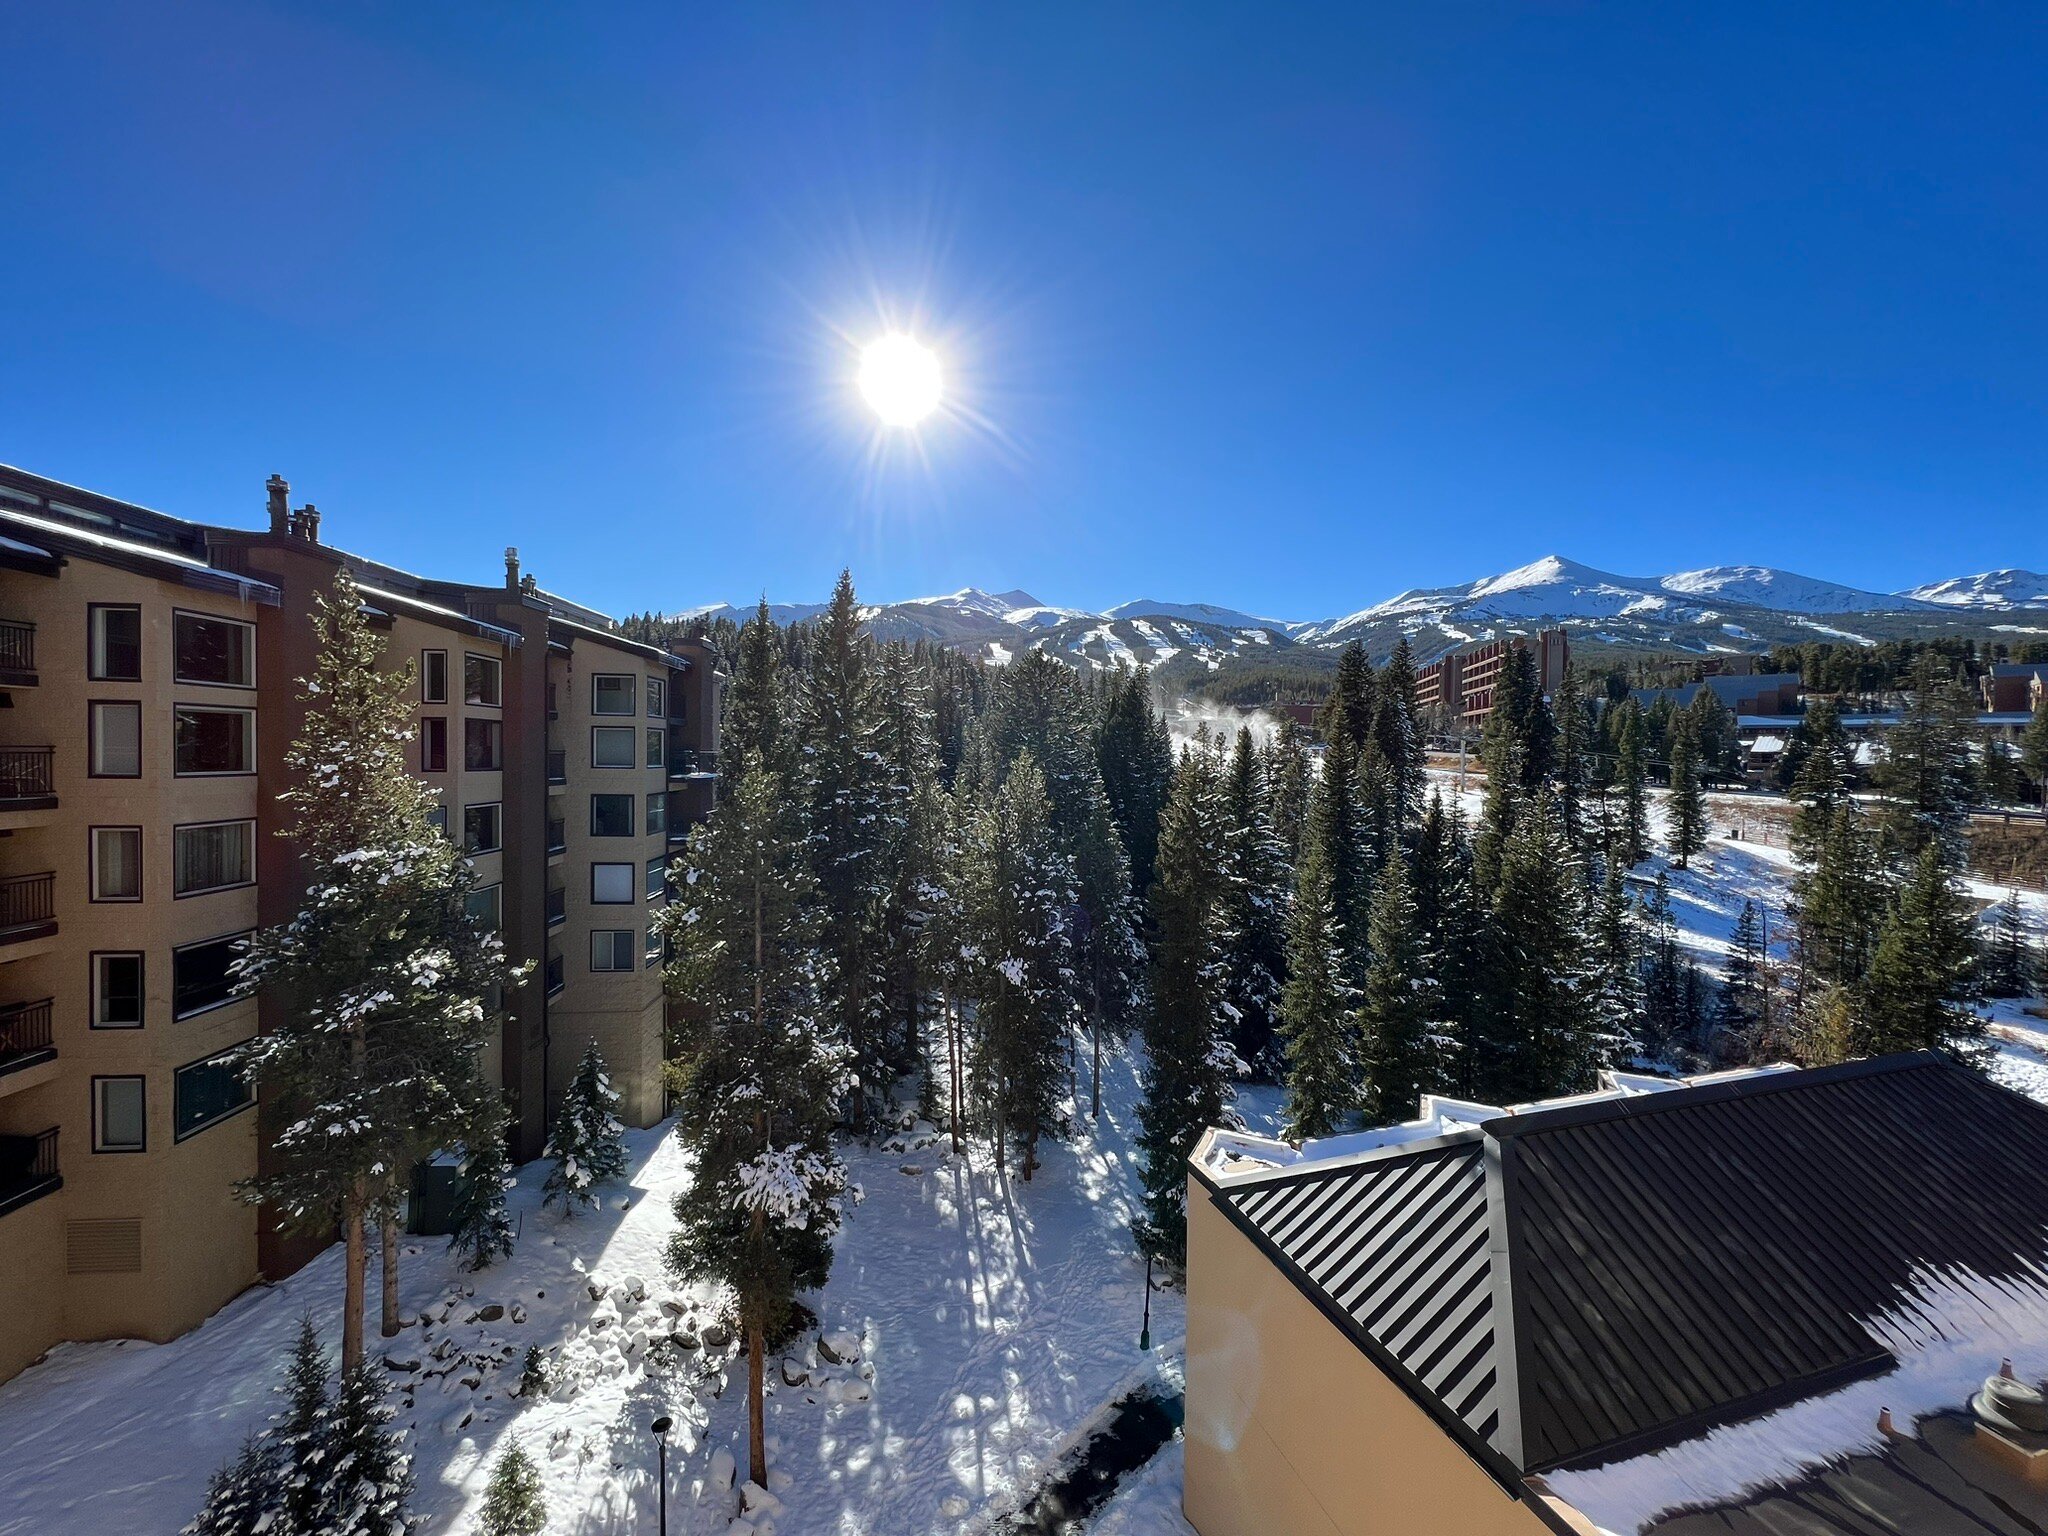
[119, 1114]
[114, 643]
[117, 863]
[656, 946]
[433, 745]
[611, 693]
[612, 885]
[212, 856]
[487, 907]
[117, 990]
[611, 815]
[483, 746]
[611, 746]
[657, 693]
[206, 1093]
[481, 680]
[657, 747]
[611, 949]
[115, 735]
[657, 813]
[437, 818]
[213, 740]
[482, 828]
[657, 879]
[433, 677]
[202, 975]
[218, 652]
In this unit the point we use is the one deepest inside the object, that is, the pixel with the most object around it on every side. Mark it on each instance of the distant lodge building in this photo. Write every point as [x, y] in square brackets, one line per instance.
[1455, 692]
[2012, 687]
[1764, 1303]
[1747, 693]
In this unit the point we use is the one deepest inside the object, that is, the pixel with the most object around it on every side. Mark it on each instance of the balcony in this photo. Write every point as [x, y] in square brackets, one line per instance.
[17, 654]
[558, 836]
[692, 763]
[558, 906]
[28, 779]
[25, 1036]
[28, 1169]
[28, 907]
[558, 766]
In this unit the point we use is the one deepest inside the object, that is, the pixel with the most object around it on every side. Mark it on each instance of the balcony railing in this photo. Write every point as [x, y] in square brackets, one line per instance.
[555, 975]
[28, 1168]
[28, 906]
[690, 762]
[558, 835]
[25, 1036]
[27, 773]
[558, 766]
[17, 646]
[558, 906]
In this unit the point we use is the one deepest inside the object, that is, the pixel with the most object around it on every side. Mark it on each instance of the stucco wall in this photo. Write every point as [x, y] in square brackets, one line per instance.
[1290, 1429]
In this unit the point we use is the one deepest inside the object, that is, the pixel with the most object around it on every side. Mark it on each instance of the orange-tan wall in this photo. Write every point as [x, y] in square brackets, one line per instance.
[1291, 1431]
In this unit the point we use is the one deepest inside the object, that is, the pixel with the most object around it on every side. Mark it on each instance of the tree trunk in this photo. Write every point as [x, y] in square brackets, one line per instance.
[355, 1262]
[1095, 1018]
[757, 1425]
[952, 1066]
[390, 1276]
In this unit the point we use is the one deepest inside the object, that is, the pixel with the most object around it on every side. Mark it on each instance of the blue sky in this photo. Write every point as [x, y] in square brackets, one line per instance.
[1269, 306]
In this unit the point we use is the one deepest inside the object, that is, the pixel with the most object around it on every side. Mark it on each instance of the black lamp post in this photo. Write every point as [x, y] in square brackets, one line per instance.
[661, 1427]
[1145, 1331]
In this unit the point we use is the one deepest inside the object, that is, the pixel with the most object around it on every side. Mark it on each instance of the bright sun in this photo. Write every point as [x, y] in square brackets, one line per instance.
[900, 379]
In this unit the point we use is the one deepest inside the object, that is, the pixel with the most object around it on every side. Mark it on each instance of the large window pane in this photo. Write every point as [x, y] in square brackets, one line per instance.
[117, 991]
[611, 693]
[611, 949]
[433, 677]
[611, 815]
[117, 863]
[483, 746]
[206, 1093]
[116, 730]
[219, 652]
[214, 740]
[487, 907]
[118, 1114]
[115, 644]
[611, 746]
[481, 682]
[482, 828]
[614, 884]
[201, 975]
[433, 745]
[212, 857]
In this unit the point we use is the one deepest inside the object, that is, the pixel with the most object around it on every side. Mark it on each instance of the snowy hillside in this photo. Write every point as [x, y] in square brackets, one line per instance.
[1761, 586]
[1990, 589]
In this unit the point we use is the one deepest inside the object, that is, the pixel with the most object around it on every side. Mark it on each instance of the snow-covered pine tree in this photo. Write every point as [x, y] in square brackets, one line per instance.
[1337, 825]
[1663, 1002]
[1535, 1038]
[1253, 910]
[1401, 1008]
[1838, 900]
[1189, 1061]
[368, 1472]
[1135, 756]
[1288, 772]
[373, 1064]
[1574, 724]
[1911, 998]
[2008, 962]
[1686, 808]
[845, 785]
[301, 1434]
[1018, 892]
[1631, 777]
[1614, 961]
[245, 1496]
[1447, 916]
[1397, 734]
[1821, 782]
[586, 1144]
[2034, 747]
[907, 810]
[1738, 1016]
[513, 1505]
[765, 1071]
[1928, 775]
[1318, 1009]
[483, 1227]
[1348, 711]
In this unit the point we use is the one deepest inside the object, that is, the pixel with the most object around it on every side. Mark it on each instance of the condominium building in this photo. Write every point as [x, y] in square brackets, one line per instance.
[149, 690]
[1455, 692]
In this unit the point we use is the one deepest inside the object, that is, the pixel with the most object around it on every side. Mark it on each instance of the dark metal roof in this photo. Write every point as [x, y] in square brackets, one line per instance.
[1657, 1264]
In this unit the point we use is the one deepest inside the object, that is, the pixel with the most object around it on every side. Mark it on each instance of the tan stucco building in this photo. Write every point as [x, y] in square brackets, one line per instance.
[148, 692]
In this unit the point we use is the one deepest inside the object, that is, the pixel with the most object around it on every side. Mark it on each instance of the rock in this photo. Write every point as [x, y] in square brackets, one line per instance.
[459, 1422]
[794, 1375]
[911, 1170]
[954, 1507]
[633, 1288]
[637, 1342]
[683, 1339]
[518, 1313]
[597, 1288]
[717, 1336]
[674, 1306]
[487, 1314]
[401, 1363]
[756, 1500]
[848, 1391]
[472, 1381]
[720, 1473]
[604, 1315]
[839, 1347]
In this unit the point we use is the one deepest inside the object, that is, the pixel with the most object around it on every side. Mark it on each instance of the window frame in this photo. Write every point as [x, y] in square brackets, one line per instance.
[95, 992]
[440, 811]
[656, 819]
[99, 1146]
[656, 951]
[93, 707]
[632, 870]
[92, 865]
[497, 673]
[632, 709]
[612, 937]
[657, 747]
[248, 629]
[208, 890]
[178, 949]
[494, 731]
[177, 1076]
[248, 739]
[632, 814]
[657, 698]
[655, 887]
[496, 891]
[434, 737]
[497, 806]
[632, 735]
[93, 674]
[429, 695]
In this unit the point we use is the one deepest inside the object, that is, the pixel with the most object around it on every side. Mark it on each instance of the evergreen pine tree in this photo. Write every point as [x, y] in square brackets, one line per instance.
[1928, 774]
[1401, 1006]
[1821, 783]
[1338, 829]
[300, 1436]
[765, 1070]
[1535, 1039]
[1397, 734]
[244, 1497]
[1631, 778]
[375, 1062]
[1348, 711]
[1687, 808]
[1911, 998]
[2034, 747]
[2008, 965]
[513, 1505]
[1739, 1008]
[1253, 911]
[1135, 758]
[1448, 918]
[1317, 1011]
[1190, 1063]
[1288, 773]
[368, 1480]
[483, 1227]
[586, 1143]
[1663, 983]
[1838, 900]
[1614, 963]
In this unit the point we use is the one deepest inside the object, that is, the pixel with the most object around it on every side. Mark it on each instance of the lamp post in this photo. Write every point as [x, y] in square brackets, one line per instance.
[661, 1427]
[1145, 1331]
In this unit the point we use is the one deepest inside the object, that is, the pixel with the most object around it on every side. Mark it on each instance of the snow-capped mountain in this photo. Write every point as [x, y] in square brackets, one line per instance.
[1761, 586]
[1991, 589]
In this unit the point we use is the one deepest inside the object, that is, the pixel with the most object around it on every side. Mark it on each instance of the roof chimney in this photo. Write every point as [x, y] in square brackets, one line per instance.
[278, 490]
[305, 523]
[511, 568]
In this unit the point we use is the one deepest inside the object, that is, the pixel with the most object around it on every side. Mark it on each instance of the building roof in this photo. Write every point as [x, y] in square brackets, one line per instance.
[1731, 690]
[1656, 1263]
[2020, 669]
